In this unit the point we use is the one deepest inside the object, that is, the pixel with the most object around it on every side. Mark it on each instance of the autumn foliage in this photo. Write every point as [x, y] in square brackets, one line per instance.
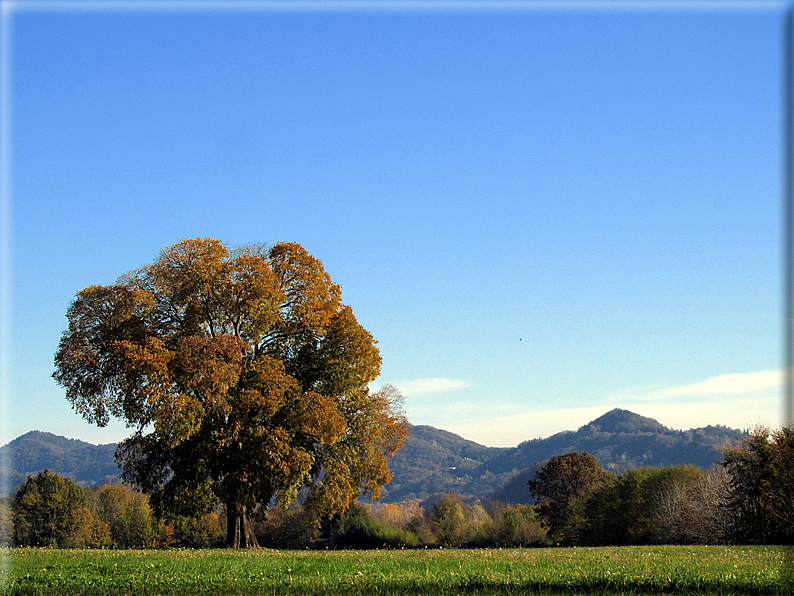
[244, 378]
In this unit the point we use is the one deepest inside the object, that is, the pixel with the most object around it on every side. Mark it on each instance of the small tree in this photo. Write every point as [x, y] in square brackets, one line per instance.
[399, 515]
[198, 532]
[127, 515]
[513, 526]
[90, 531]
[448, 520]
[355, 528]
[564, 479]
[46, 510]
[289, 528]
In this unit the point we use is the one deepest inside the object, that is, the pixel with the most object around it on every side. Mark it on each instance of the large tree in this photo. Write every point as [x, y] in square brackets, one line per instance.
[243, 376]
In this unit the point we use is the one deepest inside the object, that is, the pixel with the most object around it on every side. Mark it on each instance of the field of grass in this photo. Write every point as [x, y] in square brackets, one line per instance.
[623, 570]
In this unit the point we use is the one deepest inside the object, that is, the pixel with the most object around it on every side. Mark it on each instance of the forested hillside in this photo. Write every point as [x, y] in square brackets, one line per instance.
[36, 451]
[435, 461]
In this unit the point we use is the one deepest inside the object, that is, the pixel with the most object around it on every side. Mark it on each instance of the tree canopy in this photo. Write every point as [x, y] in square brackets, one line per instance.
[243, 376]
[562, 480]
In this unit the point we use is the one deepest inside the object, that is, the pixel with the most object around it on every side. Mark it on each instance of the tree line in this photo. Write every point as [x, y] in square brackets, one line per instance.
[50, 510]
[747, 498]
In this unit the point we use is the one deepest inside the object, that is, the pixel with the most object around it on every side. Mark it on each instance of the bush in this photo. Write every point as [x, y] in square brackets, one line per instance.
[286, 527]
[420, 526]
[694, 512]
[91, 532]
[6, 521]
[761, 481]
[513, 526]
[199, 532]
[356, 529]
[648, 506]
[399, 515]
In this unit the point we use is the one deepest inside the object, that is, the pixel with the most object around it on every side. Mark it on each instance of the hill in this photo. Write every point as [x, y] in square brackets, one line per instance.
[431, 462]
[435, 461]
[33, 452]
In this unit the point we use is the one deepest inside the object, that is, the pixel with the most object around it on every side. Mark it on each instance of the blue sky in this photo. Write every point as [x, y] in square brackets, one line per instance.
[539, 214]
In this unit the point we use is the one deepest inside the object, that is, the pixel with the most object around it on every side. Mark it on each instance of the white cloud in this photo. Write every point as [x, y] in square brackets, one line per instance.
[509, 431]
[735, 413]
[413, 387]
[759, 384]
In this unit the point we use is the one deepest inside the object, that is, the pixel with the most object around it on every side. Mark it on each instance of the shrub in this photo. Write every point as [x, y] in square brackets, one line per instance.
[513, 526]
[287, 527]
[761, 480]
[694, 512]
[6, 521]
[356, 529]
[671, 504]
[90, 532]
[399, 515]
[199, 532]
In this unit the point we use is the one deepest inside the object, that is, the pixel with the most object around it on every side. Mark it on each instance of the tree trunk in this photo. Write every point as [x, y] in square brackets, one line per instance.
[239, 529]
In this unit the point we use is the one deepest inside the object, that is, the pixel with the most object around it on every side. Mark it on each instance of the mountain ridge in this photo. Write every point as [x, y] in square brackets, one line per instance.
[85, 463]
[619, 440]
[432, 461]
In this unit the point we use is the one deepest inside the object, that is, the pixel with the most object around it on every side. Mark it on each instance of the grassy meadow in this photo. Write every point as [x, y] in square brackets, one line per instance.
[619, 570]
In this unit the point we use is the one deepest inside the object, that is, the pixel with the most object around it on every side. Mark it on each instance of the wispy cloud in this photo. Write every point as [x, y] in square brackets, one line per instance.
[413, 387]
[510, 430]
[719, 388]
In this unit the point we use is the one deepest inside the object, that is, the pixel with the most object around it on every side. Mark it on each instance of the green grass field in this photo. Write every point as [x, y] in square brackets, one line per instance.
[623, 570]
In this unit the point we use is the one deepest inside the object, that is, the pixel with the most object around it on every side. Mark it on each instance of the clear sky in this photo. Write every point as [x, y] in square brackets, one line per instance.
[539, 214]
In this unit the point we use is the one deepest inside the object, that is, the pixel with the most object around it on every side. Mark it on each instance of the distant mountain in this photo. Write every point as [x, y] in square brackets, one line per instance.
[33, 452]
[435, 461]
[432, 463]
